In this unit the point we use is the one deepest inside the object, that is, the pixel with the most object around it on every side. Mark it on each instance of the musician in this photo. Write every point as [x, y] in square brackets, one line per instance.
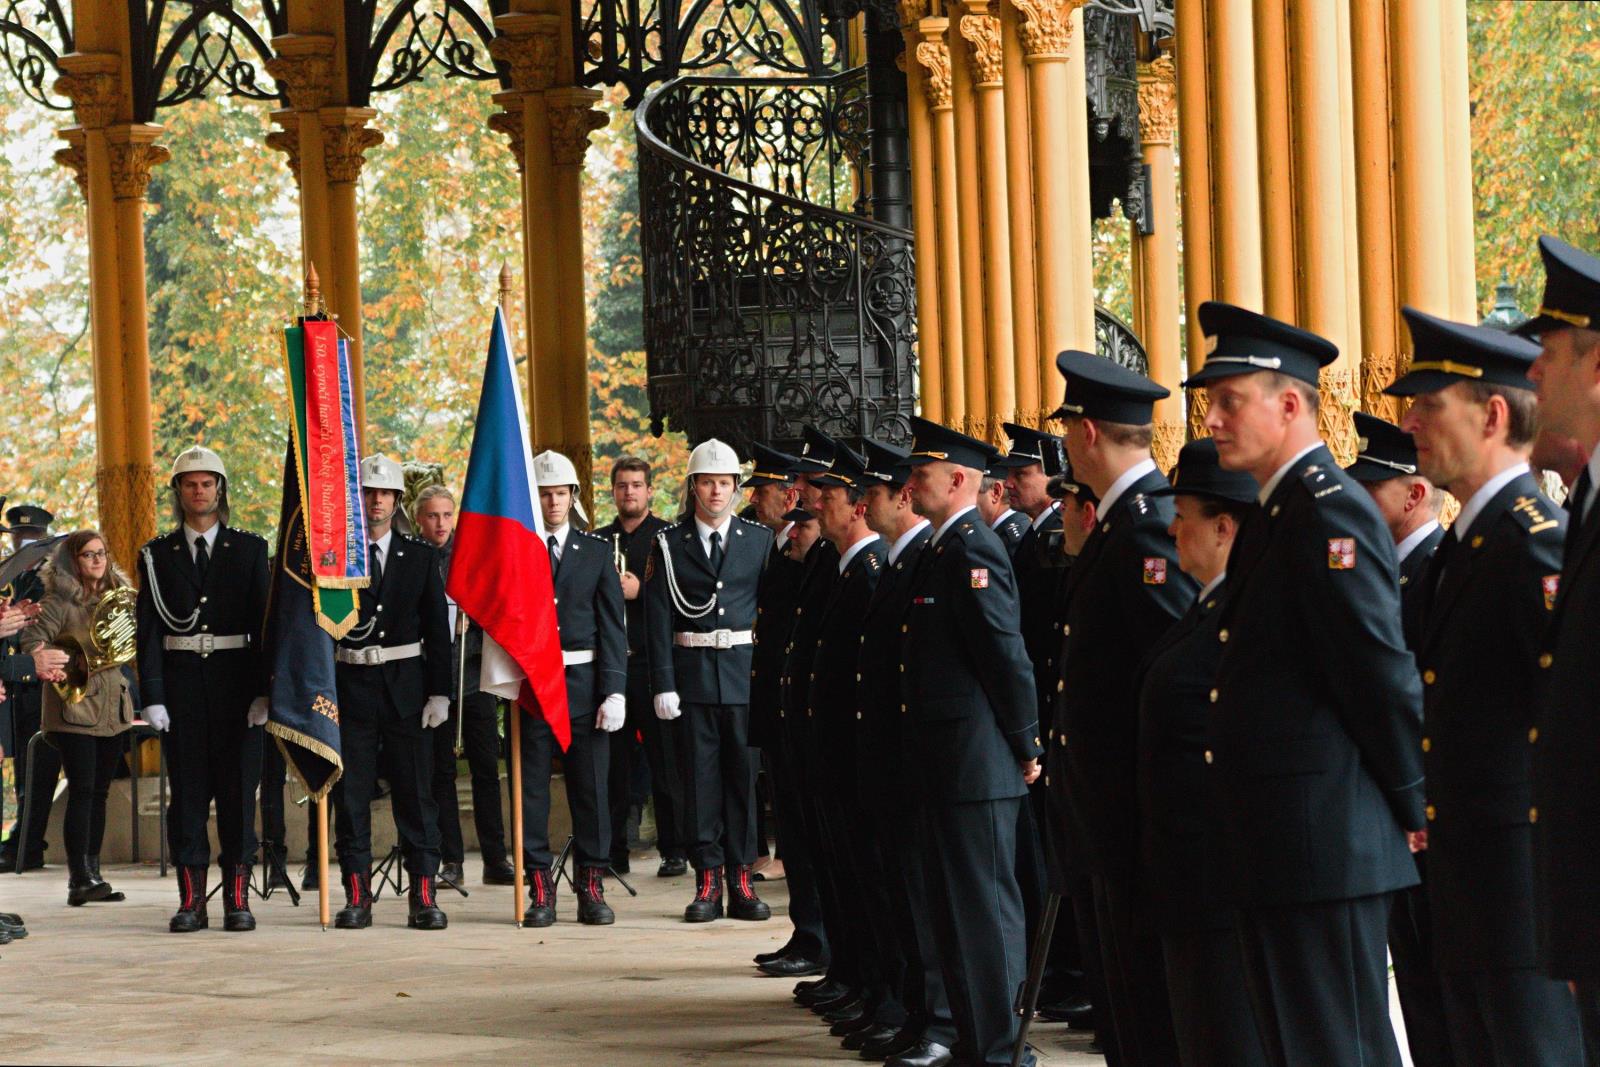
[27, 524]
[202, 598]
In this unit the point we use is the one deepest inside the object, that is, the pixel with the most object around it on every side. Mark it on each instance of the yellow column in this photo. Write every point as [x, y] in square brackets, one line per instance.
[1276, 157]
[1156, 254]
[934, 58]
[986, 69]
[509, 121]
[924, 219]
[970, 223]
[1052, 45]
[1456, 120]
[1380, 319]
[1319, 272]
[113, 158]
[1235, 186]
[1194, 134]
[1034, 374]
[572, 119]
[1421, 234]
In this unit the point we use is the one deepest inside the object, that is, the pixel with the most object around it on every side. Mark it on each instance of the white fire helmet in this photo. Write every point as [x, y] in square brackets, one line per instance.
[551, 469]
[380, 472]
[712, 456]
[196, 459]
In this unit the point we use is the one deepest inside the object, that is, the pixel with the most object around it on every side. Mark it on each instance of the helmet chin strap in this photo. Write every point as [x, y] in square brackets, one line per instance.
[700, 506]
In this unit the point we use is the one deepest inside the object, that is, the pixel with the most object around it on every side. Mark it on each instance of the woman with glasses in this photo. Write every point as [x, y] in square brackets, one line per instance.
[86, 712]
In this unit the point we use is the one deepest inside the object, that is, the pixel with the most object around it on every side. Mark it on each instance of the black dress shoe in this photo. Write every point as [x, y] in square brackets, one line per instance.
[425, 913]
[308, 877]
[823, 989]
[924, 1054]
[903, 1040]
[499, 873]
[790, 967]
[672, 867]
[849, 1011]
[759, 958]
[450, 874]
[855, 1025]
[15, 930]
[860, 1039]
[10, 918]
[1076, 1012]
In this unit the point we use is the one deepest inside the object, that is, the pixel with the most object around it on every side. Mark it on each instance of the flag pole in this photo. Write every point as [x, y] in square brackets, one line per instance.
[516, 811]
[322, 860]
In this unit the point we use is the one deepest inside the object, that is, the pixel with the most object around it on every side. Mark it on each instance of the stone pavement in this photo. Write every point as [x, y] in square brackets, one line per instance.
[106, 983]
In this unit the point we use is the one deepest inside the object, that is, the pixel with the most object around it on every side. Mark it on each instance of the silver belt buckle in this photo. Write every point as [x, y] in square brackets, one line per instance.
[372, 656]
[207, 644]
[724, 638]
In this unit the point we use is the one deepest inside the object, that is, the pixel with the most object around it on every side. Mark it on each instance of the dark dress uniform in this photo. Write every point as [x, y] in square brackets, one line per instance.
[1010, 528]
[705, 659]
[1315, 736]
[968, 694]
[661, 739]
[25, 700]
[200, 655]
[380, 709]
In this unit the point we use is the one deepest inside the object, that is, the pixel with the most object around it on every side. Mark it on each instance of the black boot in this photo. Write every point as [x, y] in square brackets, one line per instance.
[499, 872]
[707, 902]
[82, 885]
[276, 860]
[310, 878]
[357, 911]
[191, 913]
[541, 898]
[236, 917]
[742, 900]
[592, 907]
[425, 911]
[94, 872]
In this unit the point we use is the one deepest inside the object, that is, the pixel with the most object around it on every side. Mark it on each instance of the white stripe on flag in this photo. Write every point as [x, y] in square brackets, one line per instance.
[500, 675]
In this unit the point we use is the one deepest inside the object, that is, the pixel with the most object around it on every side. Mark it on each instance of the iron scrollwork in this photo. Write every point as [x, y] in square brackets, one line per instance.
[1116, 170]
[34, 34]
[1116, 341]
[417, 34]
[211, 46]
[767, 307]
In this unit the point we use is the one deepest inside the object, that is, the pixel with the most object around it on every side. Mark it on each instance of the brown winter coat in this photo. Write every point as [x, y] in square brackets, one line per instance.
[107, 707]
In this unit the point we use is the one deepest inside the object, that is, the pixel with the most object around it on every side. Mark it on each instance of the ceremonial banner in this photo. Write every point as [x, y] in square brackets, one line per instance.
[500, 568]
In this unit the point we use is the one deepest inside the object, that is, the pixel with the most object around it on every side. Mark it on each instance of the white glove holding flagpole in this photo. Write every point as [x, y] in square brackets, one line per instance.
[435, 712]
[257, 715]
[613, 712]
[667, 707]
[156, 715]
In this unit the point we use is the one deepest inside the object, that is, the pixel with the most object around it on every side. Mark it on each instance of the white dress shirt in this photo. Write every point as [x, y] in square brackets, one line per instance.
[1055, 506]
[855, 549]
[193, 537]
[383, 547]
[1413, 539]
[560, 534]
[904, 539]
[1278, 475]
[1125, 479]
[705, 533]
[1475, 503]
[951, 521]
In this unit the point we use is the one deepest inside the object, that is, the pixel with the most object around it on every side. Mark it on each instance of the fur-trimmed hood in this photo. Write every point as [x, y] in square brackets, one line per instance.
[60, 578]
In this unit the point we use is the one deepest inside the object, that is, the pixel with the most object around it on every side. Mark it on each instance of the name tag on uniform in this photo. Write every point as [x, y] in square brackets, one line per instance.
[980, 577]
[1155, 570]
[1341, 553]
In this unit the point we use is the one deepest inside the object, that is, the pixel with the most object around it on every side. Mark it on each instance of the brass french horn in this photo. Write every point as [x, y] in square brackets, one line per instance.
[111, 642]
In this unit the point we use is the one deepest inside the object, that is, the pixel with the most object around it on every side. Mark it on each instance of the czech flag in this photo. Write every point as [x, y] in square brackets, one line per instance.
[500, 568]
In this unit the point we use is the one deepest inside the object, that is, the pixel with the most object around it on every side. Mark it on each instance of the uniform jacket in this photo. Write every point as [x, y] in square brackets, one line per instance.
[409, 607]
[469, 644]
[1037, 564]
[1316, 715]
[107, 706]
[775, 604]
[820, 572]
[16, 671]
[833, 703]
[1487, 601]
[703, 675]
[966, 686]
[1413, 571]
[588, 594]
[1173, 785]
[232, 601]
[636, 554]
[1122, 593]
[884, 738]
[1011, 530]
[1566, 754]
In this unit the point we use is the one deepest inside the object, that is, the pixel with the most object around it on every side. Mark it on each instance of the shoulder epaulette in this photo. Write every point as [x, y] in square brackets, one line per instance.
[591, 536]
[1319, 482]
[750, 522]
[246, 534]
[1139, 503]
[1533, 515]
[414, 539]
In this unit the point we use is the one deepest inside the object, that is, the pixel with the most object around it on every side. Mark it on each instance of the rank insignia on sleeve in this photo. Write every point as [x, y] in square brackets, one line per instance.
[1341, 553]
[1551, 583]
[1155, 570]
[980, 577]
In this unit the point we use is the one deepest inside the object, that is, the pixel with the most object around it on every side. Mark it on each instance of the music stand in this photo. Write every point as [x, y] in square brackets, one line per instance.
[559, 871]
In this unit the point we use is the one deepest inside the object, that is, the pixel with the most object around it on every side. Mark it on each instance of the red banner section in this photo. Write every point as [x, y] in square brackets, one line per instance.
[327, 480]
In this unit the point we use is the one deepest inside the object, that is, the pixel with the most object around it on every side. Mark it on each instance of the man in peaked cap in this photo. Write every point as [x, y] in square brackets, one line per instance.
[967, 690]
[1567, 377]
[1315, 725]
[27, 523]
[1386, 465]
[994, 504]
[1487, 601]
[1122, 592]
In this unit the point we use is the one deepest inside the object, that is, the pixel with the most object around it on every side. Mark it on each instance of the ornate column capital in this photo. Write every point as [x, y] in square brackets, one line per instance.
[286, 140]
[912, 12]
[345, 140]
[934, 56]
[74, 157]
[1046, 29]
[1158, 100]
[303, 65]
[133, 154]
[982, 32]
[93, 82]
[508, 121]
[531, 46]
[572, 119]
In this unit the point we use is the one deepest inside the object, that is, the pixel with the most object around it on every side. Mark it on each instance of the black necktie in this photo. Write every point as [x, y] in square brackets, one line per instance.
[202, 559]
[716, 551]
[555, 554]
[374, 564]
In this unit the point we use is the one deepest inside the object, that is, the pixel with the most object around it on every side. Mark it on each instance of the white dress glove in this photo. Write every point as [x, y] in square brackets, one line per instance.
[613, 710]
[667, 706]
[257, 715]
[156, 715]
[435, 712]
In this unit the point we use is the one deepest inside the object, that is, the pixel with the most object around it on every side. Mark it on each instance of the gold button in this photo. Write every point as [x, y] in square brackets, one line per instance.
[799, 611]
[1428, 677]
[1477, 542]
[1066, 631]
[858, 678]
[902, 709]
[858, 715]
[902, 668]
[1213, 696]
[1208, 755]
[904, 627]
[1427, 745]
[1275, 509]
[1533, 734]
[1061, 686]
[808, 713]
[1533, 814]
[1545, 660]
[1036, 741]
[1222, 635]
[1047, 779]
[1063, 740]
[1429, 812]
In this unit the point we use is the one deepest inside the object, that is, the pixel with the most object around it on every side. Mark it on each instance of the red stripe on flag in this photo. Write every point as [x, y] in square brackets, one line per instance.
[327, 521]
